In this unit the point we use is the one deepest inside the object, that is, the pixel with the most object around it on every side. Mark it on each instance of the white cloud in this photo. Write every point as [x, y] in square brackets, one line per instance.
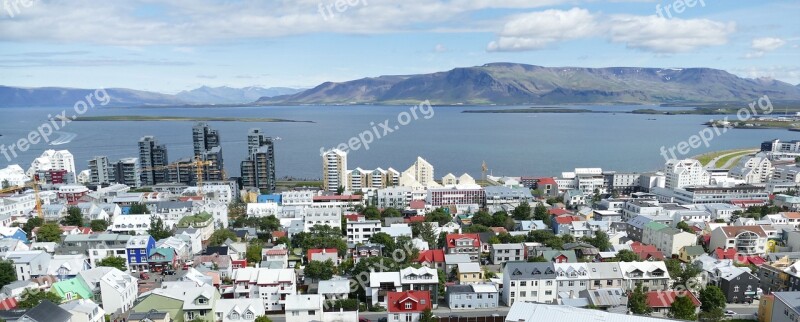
[439, 48]
[541, 29]
[538, 30]
[761, 46]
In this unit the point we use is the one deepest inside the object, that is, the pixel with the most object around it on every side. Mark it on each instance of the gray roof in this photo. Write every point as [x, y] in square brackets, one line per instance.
[48, 312]
[606, 296]
[459, 289]
[451, 259]
[791, 299]
[529, 271]
[608, 270]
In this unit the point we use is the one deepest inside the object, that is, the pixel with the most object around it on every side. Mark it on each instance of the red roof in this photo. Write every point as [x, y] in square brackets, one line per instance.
[190, 198]
[558, 211]
[353, 217]
[431, 256]
[662, 299]
[8, 304]
[564, 220]
[86, 230]
[278, 234]
[273, 252]
[546, 181]
[417, 204]
[451, 239]
[338, 198]
[415, 219]
[421, 301]
[791, 215]
[646, 252]
[731, 253]
[322, 251]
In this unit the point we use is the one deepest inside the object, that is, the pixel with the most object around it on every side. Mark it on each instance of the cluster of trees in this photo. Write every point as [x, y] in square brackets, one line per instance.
[116, 262]
[32, 298]
[320, 236]
[600, 240]
[426, 232]
[220, 236]
[482, 220]
[157, 229]
[549, 239]
[439, 215]
[400, 250]
[681, 273]
[373, 213]
[7, 273]
[266, 224]
[321, 271]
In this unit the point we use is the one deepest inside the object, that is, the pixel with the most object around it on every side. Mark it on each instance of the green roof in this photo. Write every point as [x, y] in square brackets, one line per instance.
[168, 253]
[654, 225]
[195, 219]
[74, 286]
[694, 250]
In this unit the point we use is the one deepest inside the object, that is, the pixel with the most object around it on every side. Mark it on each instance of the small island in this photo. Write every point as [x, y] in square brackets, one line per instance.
[140, 118]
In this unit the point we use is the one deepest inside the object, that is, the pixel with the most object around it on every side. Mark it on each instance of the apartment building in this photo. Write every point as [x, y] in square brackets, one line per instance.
[529, 282]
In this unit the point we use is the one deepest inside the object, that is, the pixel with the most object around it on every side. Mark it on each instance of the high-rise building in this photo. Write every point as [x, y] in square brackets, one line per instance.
[207, 147]
[259, 169]
[152, 157]
[54, 160]
[126, 171]
[100, 171]
[182, 171]
[422, 171]
[334, 170]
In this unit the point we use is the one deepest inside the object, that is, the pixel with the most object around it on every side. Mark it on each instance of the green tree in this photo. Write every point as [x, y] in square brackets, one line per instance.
[474, 228]
[600, 240]
[685, 227]
[49, 232]
[157, 228]
[372, 213]
[540, 213]
[98, 225]
[6, 184]
[482, 218]
[117, 262]
[626, 256]
[362, 270]
[391, 212]
[537, 259]
[138, 209]
[253, 253]
[715, 315]
[637, 302]
[31, 224]
[31, 298]
[712, 298]
[220, 236]
[683, 309]
[499, 219]
[427, 316]
[7, 273]
[320, 271]
[442, 281]
[269, 223]
[523, 211]
[438, 215]
[386, 240]
[73, 218]
[263, 318]
[427, 233]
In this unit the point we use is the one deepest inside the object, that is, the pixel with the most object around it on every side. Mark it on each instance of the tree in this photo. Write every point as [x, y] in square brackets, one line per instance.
[362, 270]
[712, 298]
[74, 217]
[522, 212]
[116, 262]
[499, 219]
[253, 253]
[269, 223]
[682, 308]
[685, 227]
[157, 229]
[320, 271]
[637, 302]
[371, 213]
[442, 280]
[391, 212]
[541, 213]
[538, 259]
[49, 232]
[138, 209]
[626, 256]
[32, 298]
[7, 273]
[6, 184]
[98, 225]
[600, 240]
[220, 236]
[427, 316]
[474, 228]
[386, 240]
[31, 224]
[681, 272]
[263, 318]
[482, 218]
[715, 315]
[438, 215]
[427, 233]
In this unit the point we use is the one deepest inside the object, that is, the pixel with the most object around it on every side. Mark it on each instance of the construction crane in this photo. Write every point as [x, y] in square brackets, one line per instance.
[198, 164]
[33, 184]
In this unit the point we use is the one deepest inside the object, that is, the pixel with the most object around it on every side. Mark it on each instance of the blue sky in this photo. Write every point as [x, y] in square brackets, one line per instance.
[174, 45]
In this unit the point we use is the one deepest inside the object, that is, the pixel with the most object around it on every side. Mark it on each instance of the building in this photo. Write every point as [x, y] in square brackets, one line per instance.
[152, 158]
[259, 168]
[653, 276]
[113, 289]
[361, 230]
[668, 240]
[684, 173]
[738, 284]
[502, 198]
[138, 248]
[469, 273]
[502, 253]
[541, 312]
[408, 305]
[100, 171]
[95, 246]
[785, 307]
[54, 160]
[747, 240]
[421, 279]
[756, 169]
[474, 296]
[529, 282]
[84, 311]
[270, 285]
[28, 264]
[206, 143]
[468, 244]
[334, 170]
[572, 277]
[126, 171]
[421, 171]
[456, 195]
[661, 301]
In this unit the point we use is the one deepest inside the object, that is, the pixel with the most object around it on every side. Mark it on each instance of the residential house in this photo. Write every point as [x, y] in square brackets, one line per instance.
[661, 301]
[324, 254]
[434, 258]
[474, 296]
[738, 284]
[469, 244]
[572, 278]
[652, 275]
[408, 305]
[138, 248]
[238, 310]
[304, 308]
[270, 285]
[113, 289]
[84, 311]
[46, 311]
[502, 253]
[667, 239]
[71, 290]
[605, 275]
[380, 285]
[160, 259]
[747, 240]
[28, 264]
[529, 282]
[688, 254]
[334, 289]
[95, 246]
[469, 273]
[421, 279]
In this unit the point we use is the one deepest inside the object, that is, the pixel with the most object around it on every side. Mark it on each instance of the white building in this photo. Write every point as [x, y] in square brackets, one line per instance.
[529, 282]
[304, 308]
[421, 171]
[84, 311]
[682, 173]
[131, 224]
[756, 169]
[117, 289]
[360, 231]
[54, 160]
[270, 285]
[14, 175]
[297, 198]
[334, 170]
[238, 310]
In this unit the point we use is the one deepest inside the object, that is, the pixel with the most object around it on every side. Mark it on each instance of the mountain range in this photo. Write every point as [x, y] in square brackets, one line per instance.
[496, 83]
[509, 83]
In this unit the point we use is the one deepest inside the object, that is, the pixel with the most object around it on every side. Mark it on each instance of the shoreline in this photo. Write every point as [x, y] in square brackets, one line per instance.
[136, 118]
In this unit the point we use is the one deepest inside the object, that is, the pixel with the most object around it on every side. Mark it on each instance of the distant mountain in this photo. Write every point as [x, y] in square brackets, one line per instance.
[509, 83]
[67, 97]
[229, 95]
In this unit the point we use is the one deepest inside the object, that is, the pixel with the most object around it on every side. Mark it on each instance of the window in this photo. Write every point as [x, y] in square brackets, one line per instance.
[312, 312]
[408, 305]
[523, 283]
[549, 283]
[295, 313]
[522, 294]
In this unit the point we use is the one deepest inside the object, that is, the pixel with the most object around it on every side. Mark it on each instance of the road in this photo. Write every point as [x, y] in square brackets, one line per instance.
[711, 164]
[441, 312]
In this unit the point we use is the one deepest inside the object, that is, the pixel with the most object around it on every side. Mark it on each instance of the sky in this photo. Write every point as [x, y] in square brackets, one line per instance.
[173, 45]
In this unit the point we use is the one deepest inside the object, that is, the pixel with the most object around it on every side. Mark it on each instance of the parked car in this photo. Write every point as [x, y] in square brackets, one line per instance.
[168, 272]
[144, 276]
[383, 319]
[729, 312]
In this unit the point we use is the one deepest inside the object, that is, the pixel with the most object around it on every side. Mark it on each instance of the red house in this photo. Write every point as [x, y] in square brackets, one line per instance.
[469, 244]
[647, 252]
[433, 258]
[661, 301]
[407, 306]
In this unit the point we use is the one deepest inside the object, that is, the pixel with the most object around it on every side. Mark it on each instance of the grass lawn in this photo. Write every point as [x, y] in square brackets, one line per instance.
[721, 162]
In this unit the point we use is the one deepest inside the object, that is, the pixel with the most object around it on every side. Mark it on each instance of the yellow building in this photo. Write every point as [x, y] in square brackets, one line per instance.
[469, 273]
[765, 308]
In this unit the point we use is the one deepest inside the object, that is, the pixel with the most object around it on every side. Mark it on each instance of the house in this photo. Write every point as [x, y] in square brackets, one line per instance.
[219, 263]
[13, 233]
[368, 250]
[572, 278]
[323, 254]
[529, 282]
[661, 301]
[738, 284]
[275, 255]
[138, 248]
[67, 266]
[502, 253]
[647, 252]
[304, 308]
[584, 251]
[434, 258]
[95, 246]
[747, 240]
[610, 299]
[160, 259]
[461, 297]
[334, 289]
[46, 311]
[469, 244]
[84, 311]
[270, 285]
[28, 264]
[560, 256]
[421, 279]
[380, 285]
[113, 289]
[72, 289]
[408, 305]
[604, 275]
[688, 254]
[469, 273]
[668, 240]
[184, 301]
[652, 275]
[238, 310]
